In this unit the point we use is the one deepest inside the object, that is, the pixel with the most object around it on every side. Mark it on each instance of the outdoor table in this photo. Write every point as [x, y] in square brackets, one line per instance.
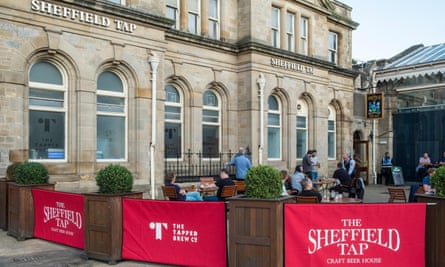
[342, 200]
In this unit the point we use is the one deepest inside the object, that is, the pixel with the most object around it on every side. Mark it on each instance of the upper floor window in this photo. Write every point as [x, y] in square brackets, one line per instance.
[111, 117]
[333, 47]
[173, 123]
[193, 16]
[301, 129]
[47, 112]
[304, 24]
[290, 31]
[331, 132]
[273, 129]
[211, 125]
[214, 19]
[275, 34]
[122, 2]
[172, 12]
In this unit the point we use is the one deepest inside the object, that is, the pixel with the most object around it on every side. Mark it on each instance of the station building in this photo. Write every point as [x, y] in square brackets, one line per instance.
[141, 82]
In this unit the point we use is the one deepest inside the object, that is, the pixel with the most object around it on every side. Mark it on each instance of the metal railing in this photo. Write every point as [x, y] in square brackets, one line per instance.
[190, 166]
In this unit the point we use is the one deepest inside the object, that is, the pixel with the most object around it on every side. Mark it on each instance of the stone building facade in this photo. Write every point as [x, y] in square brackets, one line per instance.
[89, 83]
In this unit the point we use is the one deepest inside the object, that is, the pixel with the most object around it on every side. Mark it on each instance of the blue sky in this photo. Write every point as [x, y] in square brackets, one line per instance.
[388, 27]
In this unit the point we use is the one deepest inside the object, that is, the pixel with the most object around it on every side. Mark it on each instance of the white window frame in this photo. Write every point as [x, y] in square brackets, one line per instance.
[53, 87]
[180, 121]
[275, 29]
[196, 14]
[332, 117]
[214, 20]
[304, 36]
[302, 111]
[123, 94]
[279, 126]
[176, 9]
[333, 47]
[218, 123]
[290, 31]
[119, 2]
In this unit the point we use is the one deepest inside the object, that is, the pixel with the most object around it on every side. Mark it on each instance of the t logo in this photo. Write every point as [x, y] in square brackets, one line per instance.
[157, 226]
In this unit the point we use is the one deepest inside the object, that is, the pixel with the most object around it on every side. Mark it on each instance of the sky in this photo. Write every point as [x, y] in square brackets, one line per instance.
[388, 27]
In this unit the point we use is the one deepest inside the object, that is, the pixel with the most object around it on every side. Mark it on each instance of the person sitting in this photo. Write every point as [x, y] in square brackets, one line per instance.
[296, 180]
[223, 180]
[284, 180]
[442, 160]
[424, 164]
[170, 180]
[427, 182]
[343, 179]
[308, 189]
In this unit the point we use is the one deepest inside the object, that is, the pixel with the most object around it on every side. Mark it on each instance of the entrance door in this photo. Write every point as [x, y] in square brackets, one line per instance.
[361, 156]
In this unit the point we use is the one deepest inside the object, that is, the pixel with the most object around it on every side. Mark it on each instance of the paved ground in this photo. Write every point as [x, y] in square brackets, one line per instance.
[36, 252]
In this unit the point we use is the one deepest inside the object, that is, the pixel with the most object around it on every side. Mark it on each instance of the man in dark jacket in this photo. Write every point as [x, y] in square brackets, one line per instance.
[343, 177]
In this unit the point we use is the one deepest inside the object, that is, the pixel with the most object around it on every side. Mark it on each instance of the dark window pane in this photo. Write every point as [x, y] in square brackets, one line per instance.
[172, 139]
[46, 135]
[210, 141]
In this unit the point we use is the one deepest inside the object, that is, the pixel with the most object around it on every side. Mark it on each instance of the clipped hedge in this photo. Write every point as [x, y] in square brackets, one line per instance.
[31, 173]
[263, 182]
[438, 181]
[114, 179]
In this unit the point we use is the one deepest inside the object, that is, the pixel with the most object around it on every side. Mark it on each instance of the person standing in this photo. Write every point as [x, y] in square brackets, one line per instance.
[349, 165]
[307, 164]
[387, 162]
[315, 166]
[242, 165]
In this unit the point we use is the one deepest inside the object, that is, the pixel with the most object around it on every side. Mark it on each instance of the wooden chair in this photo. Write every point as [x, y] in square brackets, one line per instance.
[169, 192]
[420, 190]
[240, 187]
[307, 199]
[228, 191]
[396, 194]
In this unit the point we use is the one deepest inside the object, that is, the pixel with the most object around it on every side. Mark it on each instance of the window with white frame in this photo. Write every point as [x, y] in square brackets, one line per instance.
[173, 123]
[304, 24]
[172, 12]
[333, 46]
[301, 131]
[214, 19]
[47, 112]
[211, 125]
[275, 34]
[111, 117]
[331, 132]
[273, 129]
[290, 31]
[122, 2]
[193, 16]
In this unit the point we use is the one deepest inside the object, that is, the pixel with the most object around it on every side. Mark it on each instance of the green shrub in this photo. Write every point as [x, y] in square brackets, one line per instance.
[114, 179]
[438, 181]
[31, 173]
[263, 182]
[10, 171]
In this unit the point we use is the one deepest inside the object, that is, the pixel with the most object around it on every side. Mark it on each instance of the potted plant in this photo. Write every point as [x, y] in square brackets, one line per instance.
[256, 220]
[28, 175]
[435, 219]
[103, 213]
[10, 176]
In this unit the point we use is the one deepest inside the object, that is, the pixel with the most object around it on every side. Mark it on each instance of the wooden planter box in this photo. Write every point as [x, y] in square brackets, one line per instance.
[435, 231]
[103, 225]
[256, 229]
[21, 209]
[4, 203]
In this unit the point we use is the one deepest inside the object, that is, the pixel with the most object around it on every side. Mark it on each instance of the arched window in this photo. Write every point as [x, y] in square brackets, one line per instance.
[47, 112]
[173, 123]
[331, 132]
[273, 129]
[301, 130]
[211, 125]
[111, 116]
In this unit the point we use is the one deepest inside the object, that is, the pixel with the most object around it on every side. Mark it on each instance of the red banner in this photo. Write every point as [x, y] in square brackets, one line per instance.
[355, 234]
[59, 217]
[175, 232]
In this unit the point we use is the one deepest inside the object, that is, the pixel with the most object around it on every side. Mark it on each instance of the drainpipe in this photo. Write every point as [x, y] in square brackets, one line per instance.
[154, 62]
[261, 81]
